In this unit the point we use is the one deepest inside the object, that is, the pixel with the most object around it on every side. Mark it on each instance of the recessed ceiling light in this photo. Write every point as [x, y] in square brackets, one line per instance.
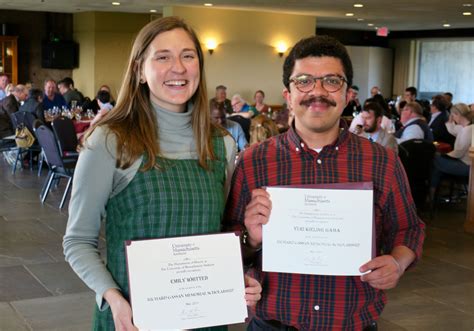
[349, 14]
[370, 24]
[467, 13]
[376, 27]
[153, 10]
[467, 5]
[360, 20]
[116, 3]
[358, 5]
[208, 4]
[446, 25]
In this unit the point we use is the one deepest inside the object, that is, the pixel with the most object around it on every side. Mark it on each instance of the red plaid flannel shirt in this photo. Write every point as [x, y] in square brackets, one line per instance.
[310, 302]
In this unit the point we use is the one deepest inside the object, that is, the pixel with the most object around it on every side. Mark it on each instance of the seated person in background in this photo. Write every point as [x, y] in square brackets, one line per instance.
[456, 162]
[261, 107]
[399, 107]
[12, 102]
[69, 93]
[414, 124]
[101, 105]
[410, 96]
[386, 111]
[8, 106]
[374, 91]
[282, 118]
[372, 127]
[3, 85]
[9, 89]
[218, 117]
[242, 108]
[397, 112]
[51, 97]
[353, 106]
[101, 101]
[107, 88]
[221, 99]
[439, 117]
[34, 104]
[357, 123]
[262, 128]
[449, 98]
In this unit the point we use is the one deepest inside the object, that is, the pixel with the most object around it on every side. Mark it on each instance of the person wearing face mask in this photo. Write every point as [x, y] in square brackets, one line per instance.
[157, 158]
[319, 149]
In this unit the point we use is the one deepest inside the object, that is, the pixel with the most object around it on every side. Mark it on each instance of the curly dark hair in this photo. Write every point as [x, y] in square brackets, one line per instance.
[317, 46]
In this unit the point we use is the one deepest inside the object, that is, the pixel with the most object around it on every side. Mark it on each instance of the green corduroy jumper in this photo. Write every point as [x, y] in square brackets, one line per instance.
[179, 199]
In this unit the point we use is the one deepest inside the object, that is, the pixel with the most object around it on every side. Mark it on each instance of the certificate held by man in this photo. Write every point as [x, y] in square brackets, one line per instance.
[319, 231]
[186, 282]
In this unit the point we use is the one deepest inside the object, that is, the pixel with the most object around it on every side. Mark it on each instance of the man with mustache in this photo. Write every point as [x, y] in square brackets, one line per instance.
[319, 149]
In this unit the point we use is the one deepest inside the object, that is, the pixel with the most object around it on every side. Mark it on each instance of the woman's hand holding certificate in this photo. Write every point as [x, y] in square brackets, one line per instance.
[188, 282]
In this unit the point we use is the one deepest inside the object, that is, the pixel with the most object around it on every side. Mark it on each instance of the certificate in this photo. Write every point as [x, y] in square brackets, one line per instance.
[186, 282]
[319, 231]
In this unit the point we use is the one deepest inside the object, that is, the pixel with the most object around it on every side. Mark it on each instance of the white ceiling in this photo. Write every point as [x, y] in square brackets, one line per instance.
[394, 14]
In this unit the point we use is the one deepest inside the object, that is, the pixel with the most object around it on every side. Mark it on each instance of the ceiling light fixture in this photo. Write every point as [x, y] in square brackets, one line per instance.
[467, 13]
[467, 5]
[349, 14]
[115, 3]
[358, 5]
[370, 24]
[153, 10]
[360, 19]
[446, 25]
[208, 4]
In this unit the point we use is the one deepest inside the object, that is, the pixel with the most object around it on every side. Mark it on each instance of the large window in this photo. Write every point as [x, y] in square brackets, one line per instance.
[447, 66]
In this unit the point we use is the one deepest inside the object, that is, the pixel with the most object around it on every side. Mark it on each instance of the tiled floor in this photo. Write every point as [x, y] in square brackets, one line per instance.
[38, 290]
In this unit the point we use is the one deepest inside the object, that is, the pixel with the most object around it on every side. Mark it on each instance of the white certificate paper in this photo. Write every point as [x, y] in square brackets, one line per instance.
[318, 231]
[186, 282]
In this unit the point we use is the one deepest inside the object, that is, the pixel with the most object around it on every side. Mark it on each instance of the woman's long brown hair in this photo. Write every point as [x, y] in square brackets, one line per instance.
[133, 119]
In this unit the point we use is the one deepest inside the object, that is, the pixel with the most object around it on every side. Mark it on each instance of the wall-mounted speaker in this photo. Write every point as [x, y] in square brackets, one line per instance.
[60, 55]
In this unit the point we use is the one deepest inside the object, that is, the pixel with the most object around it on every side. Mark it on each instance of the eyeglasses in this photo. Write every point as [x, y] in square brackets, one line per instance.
[306, 83]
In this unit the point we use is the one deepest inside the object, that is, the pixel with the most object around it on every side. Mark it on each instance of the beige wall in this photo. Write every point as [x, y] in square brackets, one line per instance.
[372, 67]
[245, 59]
[84, 35]
[105, 41]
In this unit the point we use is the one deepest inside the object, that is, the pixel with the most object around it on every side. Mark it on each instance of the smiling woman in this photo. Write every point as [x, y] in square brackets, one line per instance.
[172, 73]
[154, 164]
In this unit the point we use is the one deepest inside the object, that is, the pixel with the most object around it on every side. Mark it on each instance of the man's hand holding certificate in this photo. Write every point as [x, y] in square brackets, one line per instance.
[313, 230]
[318, 231]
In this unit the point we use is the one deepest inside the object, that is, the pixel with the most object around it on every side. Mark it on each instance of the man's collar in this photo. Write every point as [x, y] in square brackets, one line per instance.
[297, 143]
[411, 120]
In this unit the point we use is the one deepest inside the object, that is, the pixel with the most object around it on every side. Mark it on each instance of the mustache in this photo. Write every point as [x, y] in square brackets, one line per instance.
[320, 99]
